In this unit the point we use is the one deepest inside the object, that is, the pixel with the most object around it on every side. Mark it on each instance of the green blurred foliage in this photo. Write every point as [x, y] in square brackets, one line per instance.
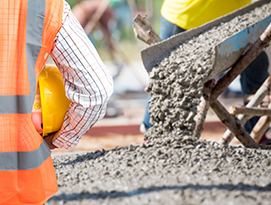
[72, 3]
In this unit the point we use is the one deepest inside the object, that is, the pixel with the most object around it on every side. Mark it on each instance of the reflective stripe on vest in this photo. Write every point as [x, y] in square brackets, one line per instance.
[16, 160]
[22, 104]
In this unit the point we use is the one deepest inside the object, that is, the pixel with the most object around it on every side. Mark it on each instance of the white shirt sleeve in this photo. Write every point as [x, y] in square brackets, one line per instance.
[88, 83]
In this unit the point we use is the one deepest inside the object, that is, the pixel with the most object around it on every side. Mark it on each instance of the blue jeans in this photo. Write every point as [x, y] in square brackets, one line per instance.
[251, 78]
[168, 29]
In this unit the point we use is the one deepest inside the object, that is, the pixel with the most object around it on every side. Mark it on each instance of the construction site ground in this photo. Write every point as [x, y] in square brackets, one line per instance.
[123, 130]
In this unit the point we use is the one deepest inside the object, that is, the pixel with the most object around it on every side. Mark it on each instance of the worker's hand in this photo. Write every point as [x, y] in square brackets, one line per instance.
[49, 140]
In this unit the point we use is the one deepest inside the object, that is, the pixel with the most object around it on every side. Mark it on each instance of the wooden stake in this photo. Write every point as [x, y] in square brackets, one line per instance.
[254, 102]
[233, 110]
[233, 125]
[203, 108]
[145, 32]
[261, 127]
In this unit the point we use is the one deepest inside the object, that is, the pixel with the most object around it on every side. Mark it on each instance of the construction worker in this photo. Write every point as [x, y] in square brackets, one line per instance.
[181, 15]
[30, 31]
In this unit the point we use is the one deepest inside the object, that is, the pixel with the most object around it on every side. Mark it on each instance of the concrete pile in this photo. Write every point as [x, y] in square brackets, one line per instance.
[176, 83]
[172, 167]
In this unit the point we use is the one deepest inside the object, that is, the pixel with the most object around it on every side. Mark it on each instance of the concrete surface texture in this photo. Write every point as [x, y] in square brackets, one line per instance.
[187, 172]
[172, 167]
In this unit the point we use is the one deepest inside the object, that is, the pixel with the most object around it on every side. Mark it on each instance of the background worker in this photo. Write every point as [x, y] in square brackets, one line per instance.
[181, 15]
[30, 31]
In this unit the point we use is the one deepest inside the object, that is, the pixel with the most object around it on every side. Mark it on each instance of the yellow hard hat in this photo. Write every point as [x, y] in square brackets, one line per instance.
[53, 100]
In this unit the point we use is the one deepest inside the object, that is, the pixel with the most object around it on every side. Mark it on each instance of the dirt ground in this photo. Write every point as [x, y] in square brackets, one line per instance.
[188, 172]
[125, 130]
[92, 143]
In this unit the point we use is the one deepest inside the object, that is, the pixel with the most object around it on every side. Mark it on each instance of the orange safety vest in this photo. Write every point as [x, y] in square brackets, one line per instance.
[27, 31]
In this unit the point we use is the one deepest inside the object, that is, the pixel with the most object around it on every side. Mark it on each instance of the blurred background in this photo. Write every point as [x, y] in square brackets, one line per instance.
[108, 23]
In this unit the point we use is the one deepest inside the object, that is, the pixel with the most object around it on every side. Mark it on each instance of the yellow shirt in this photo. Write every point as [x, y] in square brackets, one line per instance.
[189, 14]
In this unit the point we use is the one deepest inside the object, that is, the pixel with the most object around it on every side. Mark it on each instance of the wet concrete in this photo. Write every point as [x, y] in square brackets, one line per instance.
[176, 81]
[172, 167]
[187, 172]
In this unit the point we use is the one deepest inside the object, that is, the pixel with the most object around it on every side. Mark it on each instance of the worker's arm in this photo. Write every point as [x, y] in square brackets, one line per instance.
[88, 83]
